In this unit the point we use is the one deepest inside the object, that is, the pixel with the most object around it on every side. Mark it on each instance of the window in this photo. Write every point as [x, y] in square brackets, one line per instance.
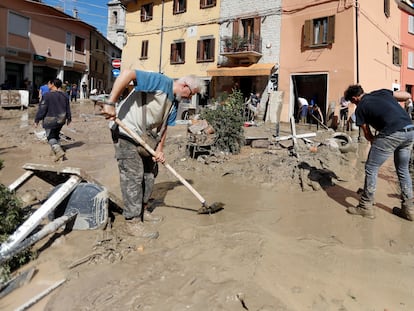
[114, 18]
[396, 56]
[411, 24]
[79, 44]
[246, 34]
[97, 44]
[410, 64]
[387, 8]
[177, 53]
[207, 4]
[18, 25]
[205, 50]
[146, 12]
[144, 49]
[319, 31]
[68, 41]
[180, 6]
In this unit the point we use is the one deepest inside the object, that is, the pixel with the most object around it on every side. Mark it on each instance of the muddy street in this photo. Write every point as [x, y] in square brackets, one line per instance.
[282, 242]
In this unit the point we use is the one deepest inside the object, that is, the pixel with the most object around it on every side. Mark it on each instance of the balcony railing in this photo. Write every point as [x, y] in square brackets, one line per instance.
[236, 44]
[241, 49]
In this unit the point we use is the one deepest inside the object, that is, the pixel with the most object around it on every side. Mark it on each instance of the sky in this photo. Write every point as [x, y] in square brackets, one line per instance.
[93, 12]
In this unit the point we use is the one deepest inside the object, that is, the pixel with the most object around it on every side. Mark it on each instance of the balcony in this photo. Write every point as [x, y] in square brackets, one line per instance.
[241, 50]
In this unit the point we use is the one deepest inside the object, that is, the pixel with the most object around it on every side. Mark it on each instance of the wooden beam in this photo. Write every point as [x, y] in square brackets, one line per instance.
[30, 224]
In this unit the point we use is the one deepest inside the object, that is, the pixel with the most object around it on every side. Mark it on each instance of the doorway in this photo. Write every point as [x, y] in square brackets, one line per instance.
[314, 88]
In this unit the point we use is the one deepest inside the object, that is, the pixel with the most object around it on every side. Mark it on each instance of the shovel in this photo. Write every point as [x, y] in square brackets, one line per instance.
[205, 208]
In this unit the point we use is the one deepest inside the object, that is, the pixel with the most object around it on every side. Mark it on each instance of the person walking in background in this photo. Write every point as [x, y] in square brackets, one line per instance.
[408, 105]
[45, 88]
[343, 113]
[74, 92]
[303, 109]
[66, 88]
[54, 112]
[381, 110]
[147, 110]
[84, 90]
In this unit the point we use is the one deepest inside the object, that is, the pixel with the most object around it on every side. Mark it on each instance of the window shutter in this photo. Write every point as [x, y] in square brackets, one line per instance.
[331, 29]
[387, 8]
[173, 56]
[256, 32]
[307, 33]
[236, 27]
[199, 49]
[212, 48]
[396, 56]
[183, 52]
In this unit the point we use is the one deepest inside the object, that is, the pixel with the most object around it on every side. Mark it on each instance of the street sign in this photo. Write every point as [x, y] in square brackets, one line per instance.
[116, 63]
[116, 72]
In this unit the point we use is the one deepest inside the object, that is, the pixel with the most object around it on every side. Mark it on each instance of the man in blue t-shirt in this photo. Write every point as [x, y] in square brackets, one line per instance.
[148, 109]
[394, 136]
[45, 88]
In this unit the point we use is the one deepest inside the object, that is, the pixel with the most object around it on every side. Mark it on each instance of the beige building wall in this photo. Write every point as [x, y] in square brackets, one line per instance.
[189, 26]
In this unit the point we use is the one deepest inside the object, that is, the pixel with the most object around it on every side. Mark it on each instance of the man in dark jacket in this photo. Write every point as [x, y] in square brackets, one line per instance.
[395, 136]
[54, 111]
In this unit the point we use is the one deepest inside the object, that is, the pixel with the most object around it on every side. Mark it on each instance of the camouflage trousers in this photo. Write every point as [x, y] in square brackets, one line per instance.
[137, 177]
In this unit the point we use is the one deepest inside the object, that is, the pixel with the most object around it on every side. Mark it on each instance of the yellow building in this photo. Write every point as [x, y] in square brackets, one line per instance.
[173, 37]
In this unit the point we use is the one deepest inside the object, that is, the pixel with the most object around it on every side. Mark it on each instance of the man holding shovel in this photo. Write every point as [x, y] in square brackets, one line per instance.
[147, 110]
[381, 111]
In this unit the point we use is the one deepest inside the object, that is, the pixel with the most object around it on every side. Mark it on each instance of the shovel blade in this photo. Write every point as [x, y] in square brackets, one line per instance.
[211, 209]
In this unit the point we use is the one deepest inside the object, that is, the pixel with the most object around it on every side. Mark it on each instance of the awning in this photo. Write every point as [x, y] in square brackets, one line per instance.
[248, 70]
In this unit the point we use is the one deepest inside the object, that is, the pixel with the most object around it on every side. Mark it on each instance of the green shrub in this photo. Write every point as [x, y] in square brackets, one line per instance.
[227, 121]
[11, 217]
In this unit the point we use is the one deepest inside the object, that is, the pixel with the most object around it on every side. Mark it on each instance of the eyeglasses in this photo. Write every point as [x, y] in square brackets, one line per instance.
[191, 91]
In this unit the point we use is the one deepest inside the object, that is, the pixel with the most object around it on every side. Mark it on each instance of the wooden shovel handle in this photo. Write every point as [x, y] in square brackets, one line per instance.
[152, 152]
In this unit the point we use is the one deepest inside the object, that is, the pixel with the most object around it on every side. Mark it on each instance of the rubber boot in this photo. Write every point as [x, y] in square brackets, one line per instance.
[137, 228]
[58, 151]
[365, 208]
[406, 211]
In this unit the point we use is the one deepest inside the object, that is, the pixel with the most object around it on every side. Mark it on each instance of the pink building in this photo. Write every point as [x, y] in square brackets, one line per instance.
[407, 46]
[328, 45]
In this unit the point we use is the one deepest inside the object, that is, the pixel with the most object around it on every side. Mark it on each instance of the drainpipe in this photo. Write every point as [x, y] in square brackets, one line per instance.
[357, 40]
[161, 35]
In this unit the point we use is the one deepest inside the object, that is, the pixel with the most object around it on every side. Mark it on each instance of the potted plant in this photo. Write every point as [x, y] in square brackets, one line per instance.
[239, 43]
[227, 44]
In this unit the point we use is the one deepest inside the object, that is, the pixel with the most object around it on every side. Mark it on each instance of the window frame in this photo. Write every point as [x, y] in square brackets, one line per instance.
[177, 53]
[69, 46]
[410, 24]
[177, 9]
[328, 35]
[144, 49]
[210, 42]
[205, 5]
[149, 12]
[410, 60]
[396, 56]
[18, 25]
[82, 42]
